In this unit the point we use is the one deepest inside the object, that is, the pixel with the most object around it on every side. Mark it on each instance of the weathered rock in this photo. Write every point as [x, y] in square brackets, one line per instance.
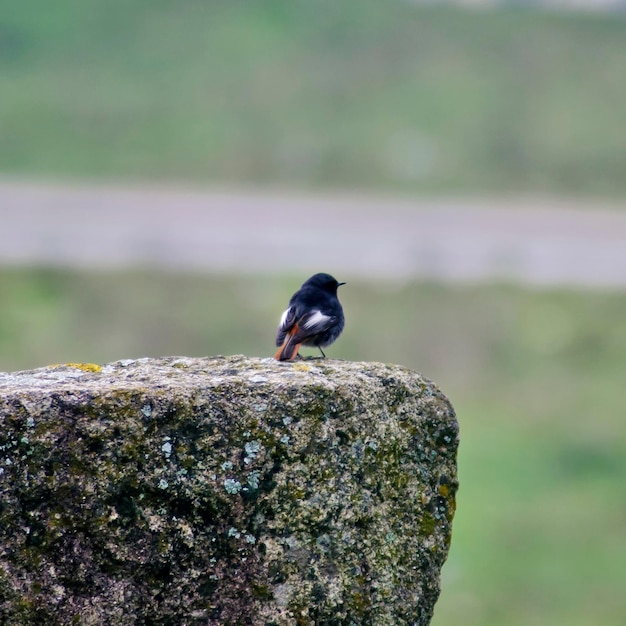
[223, 491]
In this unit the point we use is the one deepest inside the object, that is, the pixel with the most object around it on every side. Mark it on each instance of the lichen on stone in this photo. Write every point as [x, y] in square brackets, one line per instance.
[228, 490]
[85, 367]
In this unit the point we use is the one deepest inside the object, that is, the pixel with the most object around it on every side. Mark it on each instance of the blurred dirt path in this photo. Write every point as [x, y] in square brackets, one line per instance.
[533, 241]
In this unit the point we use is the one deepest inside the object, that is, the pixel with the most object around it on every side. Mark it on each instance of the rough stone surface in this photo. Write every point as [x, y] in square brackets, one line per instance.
[228, 490]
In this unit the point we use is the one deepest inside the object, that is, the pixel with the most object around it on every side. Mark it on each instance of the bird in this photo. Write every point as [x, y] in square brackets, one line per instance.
[313, 318]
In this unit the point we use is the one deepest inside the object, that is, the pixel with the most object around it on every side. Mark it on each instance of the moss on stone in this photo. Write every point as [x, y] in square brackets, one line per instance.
[224, 491]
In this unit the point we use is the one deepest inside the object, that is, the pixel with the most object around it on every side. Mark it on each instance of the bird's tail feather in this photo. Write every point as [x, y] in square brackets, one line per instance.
[287, 351]
[291, 346]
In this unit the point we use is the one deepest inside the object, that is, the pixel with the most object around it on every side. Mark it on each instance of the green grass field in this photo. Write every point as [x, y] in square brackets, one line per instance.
[536, 378]
[358, 93]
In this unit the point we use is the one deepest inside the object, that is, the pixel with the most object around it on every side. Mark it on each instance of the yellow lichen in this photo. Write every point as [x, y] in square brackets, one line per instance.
[85, 367]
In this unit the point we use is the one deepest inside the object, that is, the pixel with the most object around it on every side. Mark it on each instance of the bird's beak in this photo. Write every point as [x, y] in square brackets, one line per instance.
[339, 284]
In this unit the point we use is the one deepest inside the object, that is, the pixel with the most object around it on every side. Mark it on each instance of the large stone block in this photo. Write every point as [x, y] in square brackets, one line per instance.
[229, 490]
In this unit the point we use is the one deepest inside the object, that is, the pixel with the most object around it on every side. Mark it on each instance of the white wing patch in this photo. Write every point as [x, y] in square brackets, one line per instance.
[316, 319]
[283, 318]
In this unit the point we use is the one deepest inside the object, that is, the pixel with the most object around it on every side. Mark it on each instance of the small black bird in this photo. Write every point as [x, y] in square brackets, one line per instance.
[314, 318]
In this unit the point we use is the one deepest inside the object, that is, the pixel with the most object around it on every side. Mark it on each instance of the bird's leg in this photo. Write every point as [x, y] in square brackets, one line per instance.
[322, 351]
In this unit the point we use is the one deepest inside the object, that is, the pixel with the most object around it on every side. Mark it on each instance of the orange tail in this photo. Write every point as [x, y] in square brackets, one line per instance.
[289, 350]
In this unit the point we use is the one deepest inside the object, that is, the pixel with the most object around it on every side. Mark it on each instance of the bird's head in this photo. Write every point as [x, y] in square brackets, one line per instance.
[323, 281]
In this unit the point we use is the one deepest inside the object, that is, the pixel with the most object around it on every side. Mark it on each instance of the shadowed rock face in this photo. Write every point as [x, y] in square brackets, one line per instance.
[228, 490]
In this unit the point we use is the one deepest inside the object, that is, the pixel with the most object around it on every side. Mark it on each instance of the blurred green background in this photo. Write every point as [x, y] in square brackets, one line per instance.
[315, 92]
[384, 96]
